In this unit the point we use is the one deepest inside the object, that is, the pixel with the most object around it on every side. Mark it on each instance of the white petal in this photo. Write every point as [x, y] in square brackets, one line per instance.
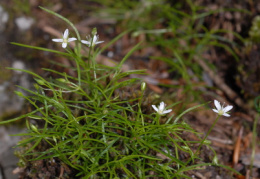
[162, 106]
[71, 39]
[99, 42]
[217, 104]
[66, 34]
[57, 40]
[167, 111]
[64, 45]
[95, 39]
[227, 108]
[155, 108]
[85, 42]
[216, 111]
[226, 114]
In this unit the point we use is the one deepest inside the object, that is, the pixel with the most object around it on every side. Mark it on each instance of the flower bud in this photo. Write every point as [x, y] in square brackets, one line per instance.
[62, 80]
[185, 148]
[207, 142]
[39, 81]
[143, 86]
[19, 93]
[94, 31]
[34, 128]
[215, 160]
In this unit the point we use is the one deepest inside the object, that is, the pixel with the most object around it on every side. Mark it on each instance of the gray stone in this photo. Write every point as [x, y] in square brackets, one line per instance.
[24, 23]
[3, 18]
[9, 163]
[8, 160]
[10, 103]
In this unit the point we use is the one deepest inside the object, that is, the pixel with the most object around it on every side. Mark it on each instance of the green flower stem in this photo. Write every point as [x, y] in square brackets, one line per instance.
[79, 72]
[140, 109]
[158, 119]
[253, 145]
[207, 134]
[93, 62]
[89, 63]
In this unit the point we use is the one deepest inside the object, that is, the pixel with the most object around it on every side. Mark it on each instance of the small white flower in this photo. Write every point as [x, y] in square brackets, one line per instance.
[221, 110]
[161, 109]
[65, 40]
[92, 42]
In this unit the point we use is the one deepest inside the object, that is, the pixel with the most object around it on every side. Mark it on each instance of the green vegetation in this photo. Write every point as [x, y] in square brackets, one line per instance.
[92, 124]
[182, 35]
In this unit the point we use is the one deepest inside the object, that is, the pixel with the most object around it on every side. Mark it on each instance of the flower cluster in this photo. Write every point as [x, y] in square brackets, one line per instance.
[221, 110]
[91, 41]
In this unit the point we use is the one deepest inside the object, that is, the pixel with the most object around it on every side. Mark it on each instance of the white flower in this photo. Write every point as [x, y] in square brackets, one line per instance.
[92, 42]
[161, 109]
[65, 40]
[221, 110]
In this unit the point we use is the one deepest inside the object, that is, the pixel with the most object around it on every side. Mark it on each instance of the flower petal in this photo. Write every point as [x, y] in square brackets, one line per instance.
[155, 108]
[95, 39]
[99, 42]
[162, 106]
[226, 114]
[66, 34]
[167, 111]
[217, 104]
[64, 45]
[227, 108]
[216, 111]
[57, 40]
[71, 39]
[85, 42]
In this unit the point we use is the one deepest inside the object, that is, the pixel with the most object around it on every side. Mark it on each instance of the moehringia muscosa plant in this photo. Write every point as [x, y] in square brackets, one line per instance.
[91, 42]
[79, 129]
[221, 110]
[161, 109]
[65, 40]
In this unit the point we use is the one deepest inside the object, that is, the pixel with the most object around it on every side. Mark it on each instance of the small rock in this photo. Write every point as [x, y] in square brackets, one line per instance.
[10, 103]
[3, 18]
[18, 65]
[24, 23]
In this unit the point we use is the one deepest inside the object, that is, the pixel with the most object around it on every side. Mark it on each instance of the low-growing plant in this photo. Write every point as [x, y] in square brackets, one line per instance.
[100, 123]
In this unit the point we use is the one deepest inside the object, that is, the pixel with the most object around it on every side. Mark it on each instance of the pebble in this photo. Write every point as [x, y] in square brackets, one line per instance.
[3, 18]
[24, 23]
[18, 65]
[8, 160]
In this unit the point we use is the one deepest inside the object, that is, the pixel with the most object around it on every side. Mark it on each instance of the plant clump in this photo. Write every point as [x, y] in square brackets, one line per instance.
[87, 126]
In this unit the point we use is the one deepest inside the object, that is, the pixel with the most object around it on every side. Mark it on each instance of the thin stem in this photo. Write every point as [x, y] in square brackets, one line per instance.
[140, 109]
[204, 139]
[158, 119]
[79, 72]
[253, 145]
[207, 134]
